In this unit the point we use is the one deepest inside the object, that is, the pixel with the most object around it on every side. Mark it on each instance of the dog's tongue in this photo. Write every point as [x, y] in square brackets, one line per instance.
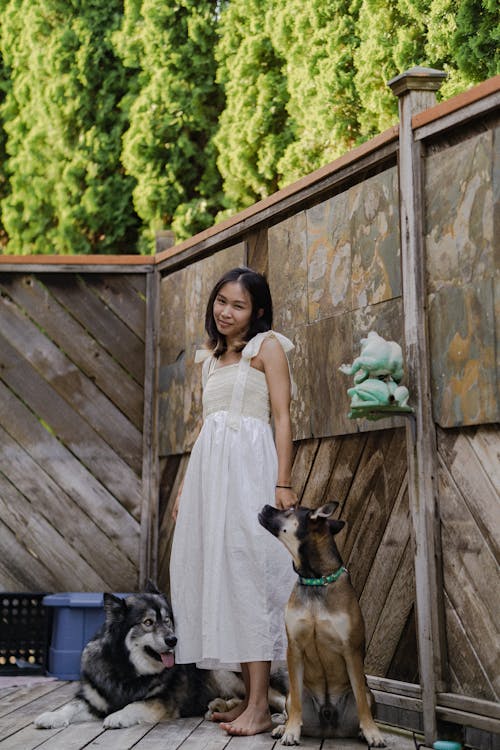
[167, 660]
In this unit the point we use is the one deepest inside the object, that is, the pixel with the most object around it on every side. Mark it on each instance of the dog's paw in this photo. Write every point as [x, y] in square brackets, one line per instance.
[119, 720]
[289, 735]
[51, 720]
[221, 705]
[372, 737]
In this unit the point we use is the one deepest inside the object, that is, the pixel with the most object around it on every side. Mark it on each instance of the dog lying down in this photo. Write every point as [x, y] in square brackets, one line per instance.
[129, 675]
[328, 694]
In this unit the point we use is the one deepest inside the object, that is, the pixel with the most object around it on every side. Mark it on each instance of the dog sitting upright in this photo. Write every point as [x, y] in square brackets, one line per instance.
[326, 634]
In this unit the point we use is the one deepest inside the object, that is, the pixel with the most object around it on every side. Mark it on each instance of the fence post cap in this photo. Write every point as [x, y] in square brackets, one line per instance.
[417, 79]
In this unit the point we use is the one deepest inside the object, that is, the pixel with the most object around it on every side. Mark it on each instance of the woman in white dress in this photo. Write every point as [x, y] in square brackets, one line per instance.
[230, 579]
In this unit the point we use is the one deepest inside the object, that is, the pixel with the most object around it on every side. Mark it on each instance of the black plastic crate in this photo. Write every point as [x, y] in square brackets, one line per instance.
[24, 634]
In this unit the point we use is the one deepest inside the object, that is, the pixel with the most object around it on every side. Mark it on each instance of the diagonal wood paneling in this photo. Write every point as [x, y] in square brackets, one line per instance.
[469, 502]
[71, 421]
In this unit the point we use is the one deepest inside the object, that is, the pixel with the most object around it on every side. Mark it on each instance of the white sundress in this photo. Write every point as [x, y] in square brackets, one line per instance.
[230, 579]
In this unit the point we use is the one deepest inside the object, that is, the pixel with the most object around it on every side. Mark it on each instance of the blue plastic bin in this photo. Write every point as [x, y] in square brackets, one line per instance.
[76, 618]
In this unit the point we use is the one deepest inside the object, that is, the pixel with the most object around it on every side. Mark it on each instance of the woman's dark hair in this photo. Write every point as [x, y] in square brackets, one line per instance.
[257, 287]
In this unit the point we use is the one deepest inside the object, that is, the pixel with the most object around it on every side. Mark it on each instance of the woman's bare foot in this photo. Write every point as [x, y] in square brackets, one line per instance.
[253, 720]
[230, 715]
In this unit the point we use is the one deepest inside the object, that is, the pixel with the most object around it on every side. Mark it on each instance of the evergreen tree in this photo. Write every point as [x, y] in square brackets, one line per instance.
[4, 185]
[392, 39]
[67, 192]
[254, 126]
[477, 39]
[168, 149]
[317, 39]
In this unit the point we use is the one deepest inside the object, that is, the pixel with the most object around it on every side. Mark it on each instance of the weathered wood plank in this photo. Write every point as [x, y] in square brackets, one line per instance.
[314, 493]
[485, 442]
[467, 676]
[26, 694]
[350, 454]
[208, 736]
[80, 530]
[470, 574]
[125, 739]
[386, 562]
[378, 506]
[468, 544]
[20, 568]
[119, 293]
[393, 618]
[32, 296]
[415, 95]
[100, 322]
[257, 250]
[70, 383]
[167, 525]
[76, 434]
[40, 536]
[480, 495]
[287, 258]
[148, 555]
[394, 741]
[15, 720]
[168, 734]
[79, 484]
[302, 463]
[375, 454]
[73, 737]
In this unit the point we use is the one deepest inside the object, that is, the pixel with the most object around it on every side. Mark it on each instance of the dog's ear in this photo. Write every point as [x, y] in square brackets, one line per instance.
[335, 526]
[151, 587]
[325, 511]
[114, 607]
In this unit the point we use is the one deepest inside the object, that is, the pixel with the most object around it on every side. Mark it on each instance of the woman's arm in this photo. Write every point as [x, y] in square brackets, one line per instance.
[275, 367]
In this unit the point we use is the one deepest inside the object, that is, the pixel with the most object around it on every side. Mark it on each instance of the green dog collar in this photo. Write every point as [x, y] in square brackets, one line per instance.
[324, 580]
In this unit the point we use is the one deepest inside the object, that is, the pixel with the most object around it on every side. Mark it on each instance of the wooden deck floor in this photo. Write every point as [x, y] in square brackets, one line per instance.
[20, 705]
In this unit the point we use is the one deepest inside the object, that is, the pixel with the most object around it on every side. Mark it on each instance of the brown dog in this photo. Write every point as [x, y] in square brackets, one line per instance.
[328, 694]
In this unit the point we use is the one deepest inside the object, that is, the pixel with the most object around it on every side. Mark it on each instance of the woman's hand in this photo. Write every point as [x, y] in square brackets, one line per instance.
[285, 498]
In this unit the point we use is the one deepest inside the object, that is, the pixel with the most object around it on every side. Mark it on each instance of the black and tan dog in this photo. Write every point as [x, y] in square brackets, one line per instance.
[328, 694]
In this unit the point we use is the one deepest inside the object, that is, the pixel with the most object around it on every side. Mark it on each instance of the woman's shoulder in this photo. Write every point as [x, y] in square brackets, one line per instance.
[267, 341]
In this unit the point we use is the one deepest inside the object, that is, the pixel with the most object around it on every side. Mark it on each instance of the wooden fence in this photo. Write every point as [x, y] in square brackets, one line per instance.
[101, 398]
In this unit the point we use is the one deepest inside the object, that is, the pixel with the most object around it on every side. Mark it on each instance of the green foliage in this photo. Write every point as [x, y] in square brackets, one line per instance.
[121, 118]
[317, 40]
[168, 149]
[254, 129]
[477, 39]
[392, 39]
[4, 184]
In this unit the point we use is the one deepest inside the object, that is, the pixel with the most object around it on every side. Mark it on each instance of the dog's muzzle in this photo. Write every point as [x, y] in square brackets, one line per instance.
[269, 519]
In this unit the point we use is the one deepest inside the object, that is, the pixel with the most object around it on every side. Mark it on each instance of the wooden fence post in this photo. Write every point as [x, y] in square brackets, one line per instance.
[415, 89]
[148, 553]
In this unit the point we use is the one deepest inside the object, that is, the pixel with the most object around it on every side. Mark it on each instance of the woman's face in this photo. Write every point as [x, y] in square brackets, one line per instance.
[232, 310]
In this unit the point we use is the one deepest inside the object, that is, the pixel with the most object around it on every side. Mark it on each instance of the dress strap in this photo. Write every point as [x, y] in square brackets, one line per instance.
[205, 356]
[251, 350]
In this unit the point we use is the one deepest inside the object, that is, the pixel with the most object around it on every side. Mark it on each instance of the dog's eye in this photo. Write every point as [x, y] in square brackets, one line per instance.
[148, 622]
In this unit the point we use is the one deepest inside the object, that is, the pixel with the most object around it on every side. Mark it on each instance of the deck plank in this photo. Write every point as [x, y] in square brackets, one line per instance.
[26, 694]
[33, 704]
[73, 737]
[169, 734]
[23, 704]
